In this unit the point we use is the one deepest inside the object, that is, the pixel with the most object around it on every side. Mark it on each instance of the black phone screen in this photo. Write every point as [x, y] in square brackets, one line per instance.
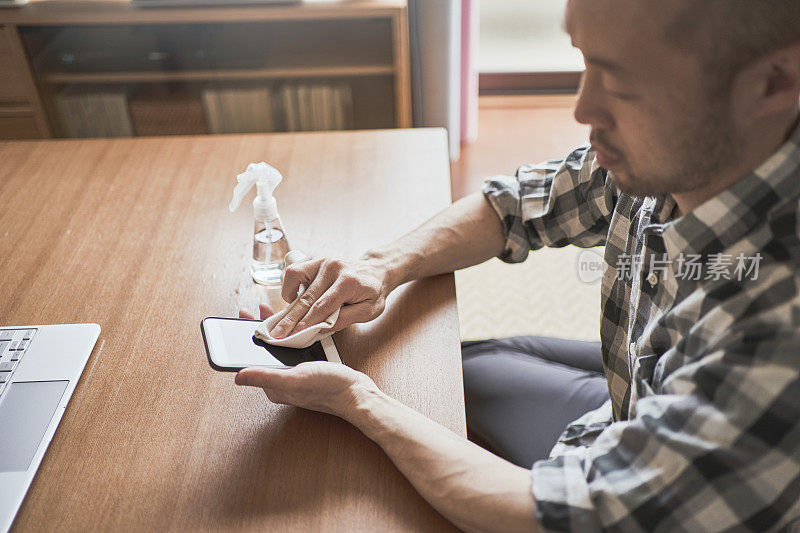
[231, 344]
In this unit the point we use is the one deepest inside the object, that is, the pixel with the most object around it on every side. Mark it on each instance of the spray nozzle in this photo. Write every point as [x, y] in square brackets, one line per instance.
[263, 176]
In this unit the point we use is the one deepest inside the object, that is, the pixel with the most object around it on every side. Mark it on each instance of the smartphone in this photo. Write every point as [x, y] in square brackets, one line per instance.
[231, 345]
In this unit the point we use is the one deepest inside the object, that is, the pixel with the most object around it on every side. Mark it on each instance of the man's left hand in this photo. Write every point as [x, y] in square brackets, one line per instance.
[318, 385]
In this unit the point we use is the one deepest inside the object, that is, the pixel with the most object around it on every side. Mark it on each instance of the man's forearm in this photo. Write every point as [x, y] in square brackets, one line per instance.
[471, 487]
[465, 234]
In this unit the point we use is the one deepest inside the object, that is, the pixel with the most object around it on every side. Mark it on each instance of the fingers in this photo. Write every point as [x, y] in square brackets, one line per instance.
[318, 287]
[277, 384]
[266, 378]
[265, 311]
[331, 284]
[298, 274]
[318, 385]
[321, 309]
[355, 313]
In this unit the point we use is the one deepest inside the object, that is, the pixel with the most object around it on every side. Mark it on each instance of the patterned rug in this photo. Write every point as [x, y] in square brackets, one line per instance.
[542, 296]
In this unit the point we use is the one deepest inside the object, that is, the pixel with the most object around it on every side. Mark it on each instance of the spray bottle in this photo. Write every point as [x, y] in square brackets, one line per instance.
[269, 238]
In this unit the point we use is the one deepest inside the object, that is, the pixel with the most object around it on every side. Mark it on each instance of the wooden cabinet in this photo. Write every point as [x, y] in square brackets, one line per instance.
[49, 48]
[21, 114]
[14, 88]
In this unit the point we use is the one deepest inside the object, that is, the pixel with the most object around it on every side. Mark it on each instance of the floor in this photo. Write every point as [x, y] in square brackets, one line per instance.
[513, 130]
[525, 36]
[543, 295]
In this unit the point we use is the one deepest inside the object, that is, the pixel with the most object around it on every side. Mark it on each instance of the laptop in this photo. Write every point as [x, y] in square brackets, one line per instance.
[39, 368]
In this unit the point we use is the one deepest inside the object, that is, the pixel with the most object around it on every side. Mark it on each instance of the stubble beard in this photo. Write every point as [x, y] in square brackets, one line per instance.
[694, 157]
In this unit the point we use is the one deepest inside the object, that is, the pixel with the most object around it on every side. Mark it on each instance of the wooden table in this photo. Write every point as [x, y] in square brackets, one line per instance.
[135, 234]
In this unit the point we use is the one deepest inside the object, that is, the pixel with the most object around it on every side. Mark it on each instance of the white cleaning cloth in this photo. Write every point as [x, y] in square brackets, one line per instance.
[304, 338]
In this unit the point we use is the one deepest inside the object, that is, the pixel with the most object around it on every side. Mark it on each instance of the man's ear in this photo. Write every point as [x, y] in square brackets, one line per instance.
[778, 81]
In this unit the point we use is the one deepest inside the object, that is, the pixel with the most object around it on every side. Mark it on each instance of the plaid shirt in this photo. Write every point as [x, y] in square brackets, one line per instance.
[700, 335]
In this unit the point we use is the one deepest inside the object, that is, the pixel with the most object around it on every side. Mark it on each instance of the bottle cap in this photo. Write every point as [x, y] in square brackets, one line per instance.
[266, 178]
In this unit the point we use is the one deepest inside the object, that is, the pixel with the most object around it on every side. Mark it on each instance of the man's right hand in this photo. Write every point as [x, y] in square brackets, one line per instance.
[359, 288]
[465, 234]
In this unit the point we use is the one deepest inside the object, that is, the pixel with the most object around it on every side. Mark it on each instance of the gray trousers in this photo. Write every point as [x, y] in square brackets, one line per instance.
[522, 392]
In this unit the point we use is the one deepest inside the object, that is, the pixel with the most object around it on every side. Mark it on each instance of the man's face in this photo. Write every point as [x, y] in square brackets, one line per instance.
[656, 124]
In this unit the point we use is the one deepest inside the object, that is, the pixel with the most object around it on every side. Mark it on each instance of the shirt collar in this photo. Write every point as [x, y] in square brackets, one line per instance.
[724, 219]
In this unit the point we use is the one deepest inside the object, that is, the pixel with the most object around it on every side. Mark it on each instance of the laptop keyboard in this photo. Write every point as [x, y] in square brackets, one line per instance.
[13, 343]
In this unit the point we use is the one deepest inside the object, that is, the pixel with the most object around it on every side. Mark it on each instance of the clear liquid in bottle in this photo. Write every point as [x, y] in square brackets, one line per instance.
[269, 248]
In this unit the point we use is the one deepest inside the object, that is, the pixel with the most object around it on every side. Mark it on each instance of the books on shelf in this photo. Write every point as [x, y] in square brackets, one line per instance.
[157, 112]
[239, 110]
[288, 103]
[109, 112]
[94, 112]
[290, 107]
[193, 3]
[317, 107]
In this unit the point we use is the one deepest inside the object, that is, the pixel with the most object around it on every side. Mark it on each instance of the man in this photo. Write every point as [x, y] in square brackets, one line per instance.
[692, 184]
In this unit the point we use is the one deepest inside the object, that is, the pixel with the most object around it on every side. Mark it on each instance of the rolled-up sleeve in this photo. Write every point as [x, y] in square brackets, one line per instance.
[717, 449]
[556, 203]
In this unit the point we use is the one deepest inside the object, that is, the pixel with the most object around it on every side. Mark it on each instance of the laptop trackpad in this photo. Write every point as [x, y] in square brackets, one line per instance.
[25, 413]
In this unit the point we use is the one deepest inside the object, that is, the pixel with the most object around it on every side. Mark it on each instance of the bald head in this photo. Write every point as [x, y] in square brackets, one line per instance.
[684, 96]
[730, 34]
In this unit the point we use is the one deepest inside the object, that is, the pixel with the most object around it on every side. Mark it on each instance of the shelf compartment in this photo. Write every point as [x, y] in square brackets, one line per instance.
[264, 47]
[216, 75]
[17, 124]
[148, 104]
[83, 12]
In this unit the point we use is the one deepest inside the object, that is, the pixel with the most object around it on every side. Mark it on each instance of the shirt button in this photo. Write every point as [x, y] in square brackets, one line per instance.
[632, 348]
[652, 279]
